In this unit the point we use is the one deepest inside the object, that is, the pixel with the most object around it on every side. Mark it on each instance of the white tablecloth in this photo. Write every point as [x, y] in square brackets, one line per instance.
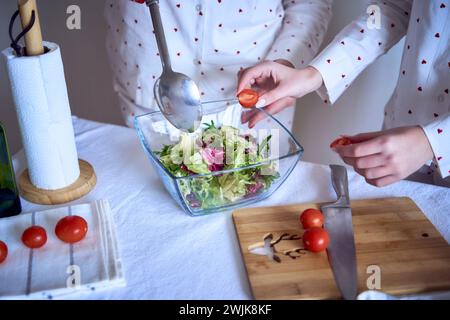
[167, 254]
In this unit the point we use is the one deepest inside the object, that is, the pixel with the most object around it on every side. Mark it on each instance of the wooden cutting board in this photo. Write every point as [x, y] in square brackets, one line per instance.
[392, 234]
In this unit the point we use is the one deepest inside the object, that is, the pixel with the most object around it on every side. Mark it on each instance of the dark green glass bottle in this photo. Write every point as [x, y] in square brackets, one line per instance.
[9, 196]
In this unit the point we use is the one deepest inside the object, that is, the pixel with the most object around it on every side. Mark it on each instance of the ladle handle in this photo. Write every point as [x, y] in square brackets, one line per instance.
[159, 33]
[233, 100]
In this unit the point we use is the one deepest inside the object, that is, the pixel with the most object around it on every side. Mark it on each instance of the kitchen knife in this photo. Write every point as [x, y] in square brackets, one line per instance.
[341, 249]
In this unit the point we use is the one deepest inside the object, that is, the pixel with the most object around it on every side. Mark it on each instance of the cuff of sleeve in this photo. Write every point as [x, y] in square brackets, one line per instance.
[334, 82]
[436, 136]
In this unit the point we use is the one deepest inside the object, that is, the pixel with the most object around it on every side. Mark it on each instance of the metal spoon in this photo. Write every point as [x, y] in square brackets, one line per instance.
[177, 95]
[246, 99]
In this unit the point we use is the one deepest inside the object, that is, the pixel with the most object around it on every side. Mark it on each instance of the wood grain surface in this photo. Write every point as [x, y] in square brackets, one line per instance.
[390, 233]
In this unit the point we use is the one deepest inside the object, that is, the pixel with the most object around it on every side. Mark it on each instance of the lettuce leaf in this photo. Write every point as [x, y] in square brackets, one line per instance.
[195, 154]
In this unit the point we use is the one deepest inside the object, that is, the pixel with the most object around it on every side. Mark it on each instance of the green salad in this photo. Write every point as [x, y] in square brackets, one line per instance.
[217, 149]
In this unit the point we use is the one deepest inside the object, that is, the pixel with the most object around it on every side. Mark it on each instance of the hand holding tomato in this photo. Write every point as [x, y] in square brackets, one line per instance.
[280, 85]
[388, 156]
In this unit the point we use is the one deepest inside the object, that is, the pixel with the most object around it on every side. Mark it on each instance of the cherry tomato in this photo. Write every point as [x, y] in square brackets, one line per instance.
[34, 237]
[344, 141]
[311, 218]
[316, 239]
[248, 98]
[3, 251]
[71, 229]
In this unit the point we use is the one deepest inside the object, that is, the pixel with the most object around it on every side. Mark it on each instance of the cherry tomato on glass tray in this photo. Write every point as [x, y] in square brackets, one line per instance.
[34, 237]
[316, 239]
[344, 141]
[248, 98]
[3, 251]
[311, 218]
[71, 229]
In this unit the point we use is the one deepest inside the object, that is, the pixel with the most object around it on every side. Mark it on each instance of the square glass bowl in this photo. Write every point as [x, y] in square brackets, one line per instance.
[200, 194]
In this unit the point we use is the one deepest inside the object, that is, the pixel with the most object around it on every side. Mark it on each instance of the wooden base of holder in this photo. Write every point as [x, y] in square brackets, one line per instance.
[76, 190]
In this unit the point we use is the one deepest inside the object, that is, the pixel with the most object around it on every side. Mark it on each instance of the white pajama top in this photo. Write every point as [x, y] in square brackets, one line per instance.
[208, 40]
[421, 96]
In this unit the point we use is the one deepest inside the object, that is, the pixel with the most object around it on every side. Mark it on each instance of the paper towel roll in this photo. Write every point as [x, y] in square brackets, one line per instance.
[40, 95]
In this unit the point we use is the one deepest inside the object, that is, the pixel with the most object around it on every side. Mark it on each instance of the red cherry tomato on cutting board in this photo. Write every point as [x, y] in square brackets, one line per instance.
[311, 218]
[248, 98]
[344, 141]
[34, 237]
[71, 229]
[3, 251]
[316, 239]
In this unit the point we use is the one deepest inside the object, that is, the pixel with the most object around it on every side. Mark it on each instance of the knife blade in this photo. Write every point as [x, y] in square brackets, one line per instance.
[341, 249]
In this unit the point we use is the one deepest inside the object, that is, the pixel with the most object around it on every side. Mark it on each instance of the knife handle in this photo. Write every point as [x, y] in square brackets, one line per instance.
[339, 180]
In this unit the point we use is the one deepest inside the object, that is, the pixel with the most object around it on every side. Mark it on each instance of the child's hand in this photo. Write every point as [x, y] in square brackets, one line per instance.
[387, 156]
[279, 86]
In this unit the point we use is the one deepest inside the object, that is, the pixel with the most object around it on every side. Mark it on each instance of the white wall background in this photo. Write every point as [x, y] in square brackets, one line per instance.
[86, 66]
[91, 96]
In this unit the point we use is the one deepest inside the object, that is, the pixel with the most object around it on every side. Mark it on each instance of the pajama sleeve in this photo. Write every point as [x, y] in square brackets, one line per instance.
[305, 24]
[438, 134]
[359, 44]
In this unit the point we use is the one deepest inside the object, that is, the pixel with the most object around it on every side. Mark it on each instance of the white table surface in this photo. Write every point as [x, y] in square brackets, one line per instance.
[167, 254]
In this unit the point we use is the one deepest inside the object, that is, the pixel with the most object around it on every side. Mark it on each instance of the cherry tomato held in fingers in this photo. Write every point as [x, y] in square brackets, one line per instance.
[3, 251]
[344, 141]
[71, 229]
[248, 98]
[34, 237]
[311, 218]
[316, 239]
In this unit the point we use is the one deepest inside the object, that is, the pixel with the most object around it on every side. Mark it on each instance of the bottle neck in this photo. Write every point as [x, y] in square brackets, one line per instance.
[9, 196]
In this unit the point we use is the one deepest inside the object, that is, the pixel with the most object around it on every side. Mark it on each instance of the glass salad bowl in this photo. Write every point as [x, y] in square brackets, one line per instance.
[224, 164]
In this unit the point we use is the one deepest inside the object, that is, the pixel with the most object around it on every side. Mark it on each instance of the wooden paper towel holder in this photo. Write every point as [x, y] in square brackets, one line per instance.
[87, 179]
[85, 183]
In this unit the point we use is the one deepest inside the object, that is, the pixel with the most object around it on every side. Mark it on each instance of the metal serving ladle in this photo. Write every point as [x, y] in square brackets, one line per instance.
[176, 94]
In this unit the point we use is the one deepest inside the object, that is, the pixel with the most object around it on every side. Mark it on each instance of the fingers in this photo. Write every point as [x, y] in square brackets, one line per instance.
[371, 161]
[247, 115]
[384, 181]
[361, 149]
[270, 75]
[374, 173]
[247, 77]
[378, 176]
[254, 116]
[276, 96]
[257, 117]
[272, 109]
[362, 137]
[385, 157]
[373, 166]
